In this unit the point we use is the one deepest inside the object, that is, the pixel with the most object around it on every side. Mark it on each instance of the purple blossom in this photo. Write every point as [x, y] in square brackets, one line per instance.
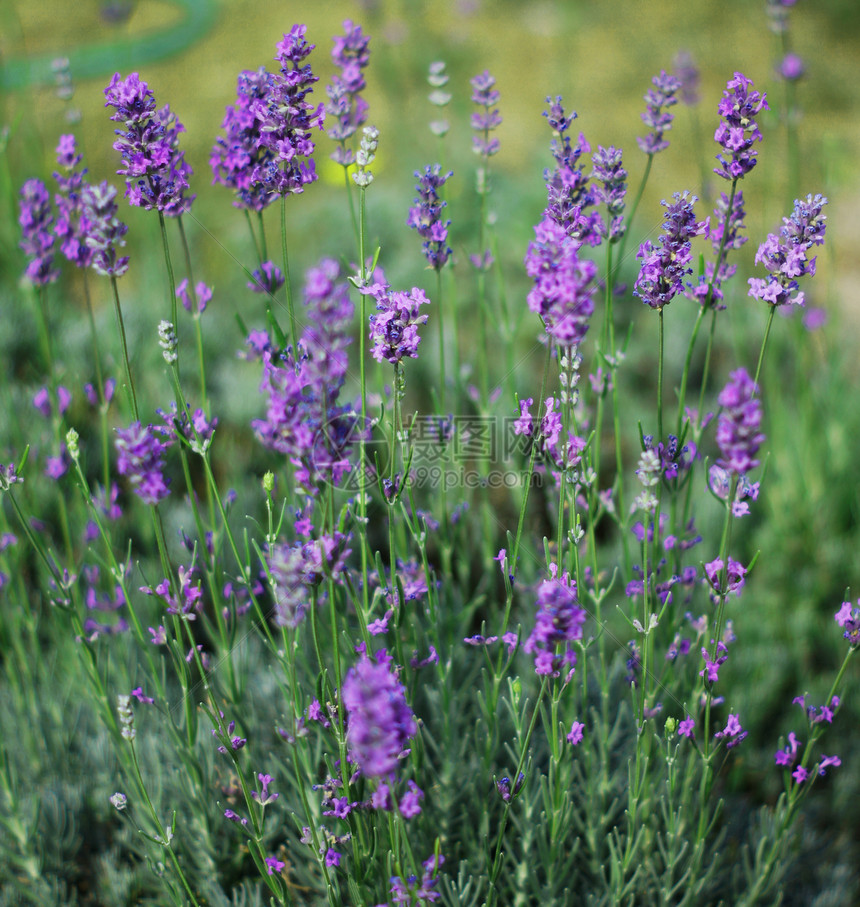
[568, 195]
[826, 762]
[720, 483]
[576, 734]
[42, 401]
[563, 283]
[380, 722]
[236, 742]
[788, 756]
[71, 227]
[302, 419]
[732, 733]
[738, 130]
[413, 891]
[294, 570]
[687, 73]
[287, 118]
[658, 99]
[410, 802]
[848, 617]
[239, 156]
[196, 429]
[328, 318]
[524, 424]
[786, 256]
[558, 624]
[140, 458]
[791, 68]
[345, 105]
[106, 233]
[711, 670]
[264, 798]
[687, 727]
[273, 864]
[734, 579]
[664, 266]
[155, 169]
[609, 188]
[197, 300]
[187, 602]
[37, 220]
[739, 433]
[425, 215]
[394, 326]
[268, 278]
[485, 95]
[709, 291]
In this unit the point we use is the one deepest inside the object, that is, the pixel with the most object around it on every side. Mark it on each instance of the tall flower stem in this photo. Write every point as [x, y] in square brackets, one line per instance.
[770, 314]
[198, 331]
[497, 858]
[171, 280]
[633, 208]
[124, 346]
[660, 343]
[100, 386]
[294, 335]
[362, 368]
[440, 310]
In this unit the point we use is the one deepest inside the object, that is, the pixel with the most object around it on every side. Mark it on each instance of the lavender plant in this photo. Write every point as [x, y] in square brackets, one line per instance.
[320, 686]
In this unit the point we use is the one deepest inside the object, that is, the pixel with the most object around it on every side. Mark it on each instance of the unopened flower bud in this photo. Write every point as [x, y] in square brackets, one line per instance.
[167, 341]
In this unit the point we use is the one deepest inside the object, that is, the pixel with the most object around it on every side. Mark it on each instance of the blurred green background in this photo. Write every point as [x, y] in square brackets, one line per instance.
[599, 56]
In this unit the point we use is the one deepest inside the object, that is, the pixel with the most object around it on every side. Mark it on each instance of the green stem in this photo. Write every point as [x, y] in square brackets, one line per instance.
[287, 282]
[770, 315]
[124, 345]
[497, 859]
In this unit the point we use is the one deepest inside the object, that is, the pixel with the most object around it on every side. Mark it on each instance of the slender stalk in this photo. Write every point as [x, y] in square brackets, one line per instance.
[440, 315]
[497, 859]
[770, 314]
[294, 334]
[124, 345]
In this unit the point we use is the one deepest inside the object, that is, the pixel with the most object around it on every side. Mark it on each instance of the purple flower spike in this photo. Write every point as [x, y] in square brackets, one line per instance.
[106, 233]
[240, 155]
[567, 191]
[709, 289]
[563, 283]
[732, 733]
[72, 227]
[486, 95]
[268, 278]
[738, 130]
[155, 169]
[346, 106]
[425, 215]
[848, 617]
[687, 73]
[658, 99]
[665, 265]
[791, 68]
[786, 256]
[394, 327]
[36, 220]
[739, 433]
[287, 118]
[380, 721]
[610, 189]
[140, 458]
[558, 622]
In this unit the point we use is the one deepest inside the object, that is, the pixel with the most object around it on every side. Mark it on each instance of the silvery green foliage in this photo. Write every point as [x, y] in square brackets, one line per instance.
[543, 710]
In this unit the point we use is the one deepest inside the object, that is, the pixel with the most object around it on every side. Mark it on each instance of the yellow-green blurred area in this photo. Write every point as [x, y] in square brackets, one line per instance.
[600, 56]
